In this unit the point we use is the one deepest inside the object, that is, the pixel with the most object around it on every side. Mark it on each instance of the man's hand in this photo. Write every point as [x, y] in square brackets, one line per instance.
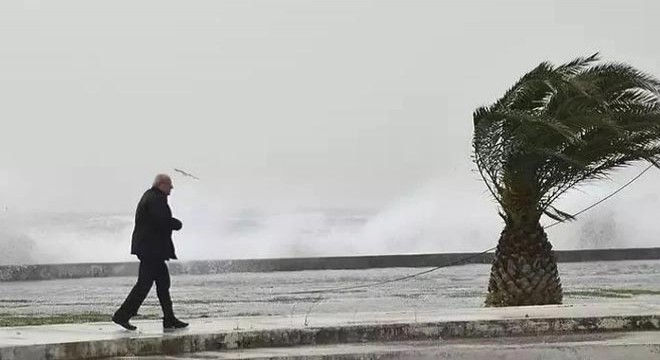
[176, 224]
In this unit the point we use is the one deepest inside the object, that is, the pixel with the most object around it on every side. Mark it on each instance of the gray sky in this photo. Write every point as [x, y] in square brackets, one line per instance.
[293, 103]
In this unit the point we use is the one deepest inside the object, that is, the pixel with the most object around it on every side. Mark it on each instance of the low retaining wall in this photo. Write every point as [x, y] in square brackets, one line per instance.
[72, 271]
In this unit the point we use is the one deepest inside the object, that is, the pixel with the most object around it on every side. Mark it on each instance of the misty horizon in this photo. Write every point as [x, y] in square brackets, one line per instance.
[316, 127]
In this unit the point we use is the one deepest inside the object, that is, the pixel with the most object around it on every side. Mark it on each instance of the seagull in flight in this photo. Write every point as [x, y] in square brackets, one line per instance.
[186, 174]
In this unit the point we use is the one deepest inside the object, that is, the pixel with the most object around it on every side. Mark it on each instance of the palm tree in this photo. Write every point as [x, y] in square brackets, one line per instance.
[556, 128]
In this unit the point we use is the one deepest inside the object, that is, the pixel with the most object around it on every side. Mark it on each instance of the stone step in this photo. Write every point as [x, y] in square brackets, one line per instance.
[611, 346]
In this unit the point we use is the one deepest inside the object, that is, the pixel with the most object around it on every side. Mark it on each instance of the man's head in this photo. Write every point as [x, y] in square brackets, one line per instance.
[163, 183]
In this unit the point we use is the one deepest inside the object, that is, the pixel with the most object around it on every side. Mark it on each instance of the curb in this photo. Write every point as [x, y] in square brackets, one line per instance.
[177, 343]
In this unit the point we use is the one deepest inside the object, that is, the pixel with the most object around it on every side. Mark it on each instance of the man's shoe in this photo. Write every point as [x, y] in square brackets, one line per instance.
[124, 323]
[172, 324]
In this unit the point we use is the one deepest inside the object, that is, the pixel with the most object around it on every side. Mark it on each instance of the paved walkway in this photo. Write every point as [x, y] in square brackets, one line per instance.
[269, 294]
[106, 340]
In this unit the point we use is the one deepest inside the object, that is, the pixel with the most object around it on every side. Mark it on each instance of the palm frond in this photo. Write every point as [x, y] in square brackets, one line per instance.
[560, 126]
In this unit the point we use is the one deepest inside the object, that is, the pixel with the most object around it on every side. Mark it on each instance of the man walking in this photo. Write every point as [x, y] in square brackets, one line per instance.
[152, 243]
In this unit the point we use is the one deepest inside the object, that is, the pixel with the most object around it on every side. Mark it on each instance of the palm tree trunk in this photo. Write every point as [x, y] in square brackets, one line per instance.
[524, 271]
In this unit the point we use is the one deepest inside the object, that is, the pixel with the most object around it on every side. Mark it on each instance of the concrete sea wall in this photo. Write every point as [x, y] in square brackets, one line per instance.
[83, 270]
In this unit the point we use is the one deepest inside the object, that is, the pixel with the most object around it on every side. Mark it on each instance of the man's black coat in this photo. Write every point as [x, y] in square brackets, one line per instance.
[152, 235]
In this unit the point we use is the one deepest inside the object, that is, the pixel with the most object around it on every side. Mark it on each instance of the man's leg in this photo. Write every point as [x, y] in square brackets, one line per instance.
[162, 277]
[137, 295]
[163, 291]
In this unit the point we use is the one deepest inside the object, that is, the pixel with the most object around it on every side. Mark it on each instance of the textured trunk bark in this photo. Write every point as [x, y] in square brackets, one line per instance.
[524, 271]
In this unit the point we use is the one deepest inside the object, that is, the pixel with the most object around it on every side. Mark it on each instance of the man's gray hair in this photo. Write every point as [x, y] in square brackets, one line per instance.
[161, 178]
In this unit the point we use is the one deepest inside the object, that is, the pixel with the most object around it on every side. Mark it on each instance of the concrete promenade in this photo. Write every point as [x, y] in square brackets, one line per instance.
[270, 294]
[99, 340]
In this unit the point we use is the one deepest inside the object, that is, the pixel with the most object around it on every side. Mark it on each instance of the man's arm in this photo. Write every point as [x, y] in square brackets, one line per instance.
[160, 214]
[176, 224]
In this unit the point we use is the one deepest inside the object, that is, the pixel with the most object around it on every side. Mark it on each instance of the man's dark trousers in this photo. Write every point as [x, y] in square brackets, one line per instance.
[151, 270]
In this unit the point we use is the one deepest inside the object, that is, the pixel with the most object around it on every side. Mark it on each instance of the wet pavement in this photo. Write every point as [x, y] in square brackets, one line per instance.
[269, 294]
[488, 319]
[102, 340]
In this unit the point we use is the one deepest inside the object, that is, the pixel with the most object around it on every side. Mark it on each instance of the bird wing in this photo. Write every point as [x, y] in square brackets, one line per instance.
[184, 173]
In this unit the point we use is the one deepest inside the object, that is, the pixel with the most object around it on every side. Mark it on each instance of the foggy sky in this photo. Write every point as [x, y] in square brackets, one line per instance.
[280, 103]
